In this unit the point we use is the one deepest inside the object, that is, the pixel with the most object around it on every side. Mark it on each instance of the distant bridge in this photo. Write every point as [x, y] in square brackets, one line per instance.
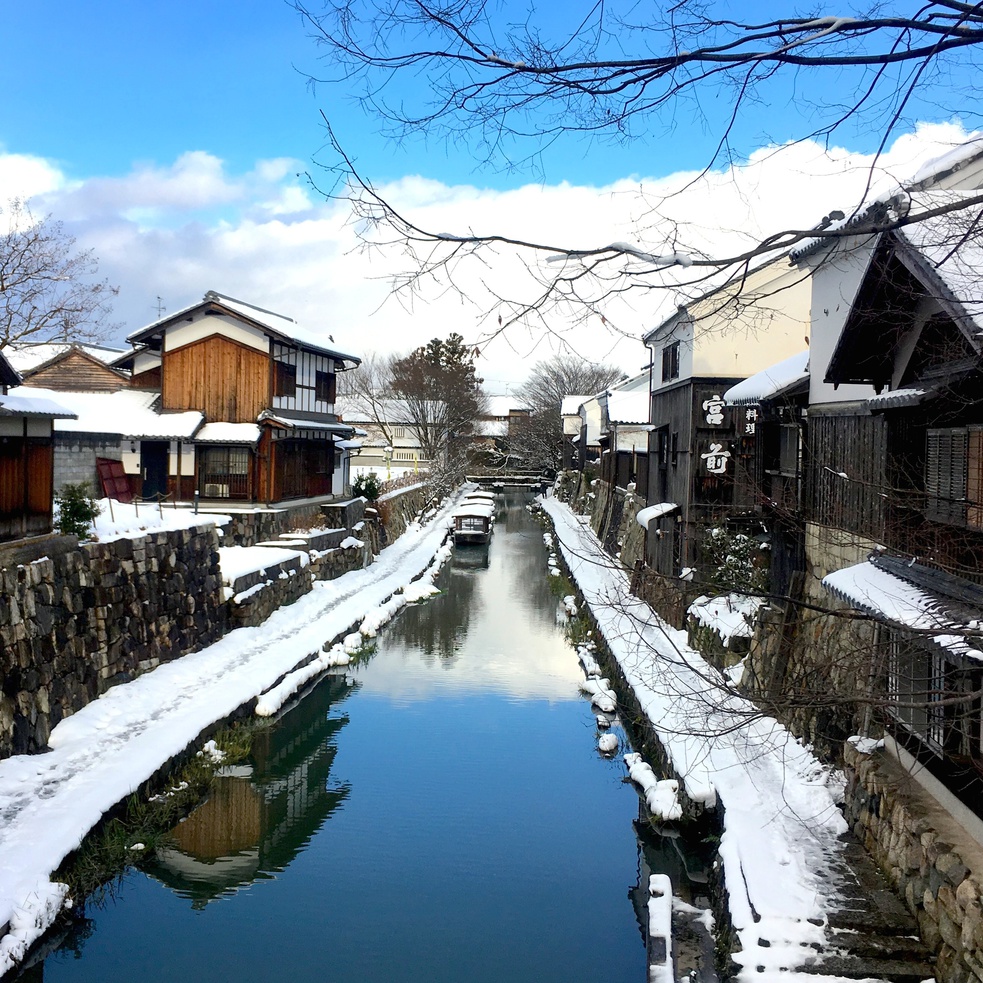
[512, 479]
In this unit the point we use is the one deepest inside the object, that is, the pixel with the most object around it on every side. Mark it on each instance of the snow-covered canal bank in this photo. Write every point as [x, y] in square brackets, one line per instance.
[103, 753]
[782, 828]
[442, 814]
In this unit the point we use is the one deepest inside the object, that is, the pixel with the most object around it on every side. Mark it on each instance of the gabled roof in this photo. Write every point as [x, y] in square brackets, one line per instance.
[277, 326]
[103, 361]
[30, 356]
[937, 260]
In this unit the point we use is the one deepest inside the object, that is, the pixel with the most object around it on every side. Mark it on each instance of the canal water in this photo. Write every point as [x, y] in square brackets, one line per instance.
[439, 814]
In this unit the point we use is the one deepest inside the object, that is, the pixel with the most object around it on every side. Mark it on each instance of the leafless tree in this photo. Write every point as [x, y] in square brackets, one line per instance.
[49, 290]
[508, 85]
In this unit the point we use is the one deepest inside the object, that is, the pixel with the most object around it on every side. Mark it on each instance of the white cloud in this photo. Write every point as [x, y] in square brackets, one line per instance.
[25, 176]
[178, 230]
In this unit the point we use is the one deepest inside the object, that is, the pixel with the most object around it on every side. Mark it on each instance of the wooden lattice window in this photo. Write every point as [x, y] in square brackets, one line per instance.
[954, 476]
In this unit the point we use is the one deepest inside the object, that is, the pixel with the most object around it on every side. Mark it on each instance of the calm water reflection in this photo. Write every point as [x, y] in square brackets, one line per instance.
[442, 815]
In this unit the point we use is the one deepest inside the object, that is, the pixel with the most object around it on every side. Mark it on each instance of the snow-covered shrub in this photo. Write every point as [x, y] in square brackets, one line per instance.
[734, 561]
[76, 510]
[366, 486]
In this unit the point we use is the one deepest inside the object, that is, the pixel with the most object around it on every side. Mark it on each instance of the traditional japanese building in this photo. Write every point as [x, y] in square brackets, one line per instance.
[697, 354]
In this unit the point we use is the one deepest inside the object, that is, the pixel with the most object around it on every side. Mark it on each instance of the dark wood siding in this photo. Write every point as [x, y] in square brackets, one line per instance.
[225, 380]
[25, 486]
[847, 483]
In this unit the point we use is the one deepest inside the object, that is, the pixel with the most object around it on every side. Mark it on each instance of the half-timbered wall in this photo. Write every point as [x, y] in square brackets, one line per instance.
[227, 381]
[310, 380]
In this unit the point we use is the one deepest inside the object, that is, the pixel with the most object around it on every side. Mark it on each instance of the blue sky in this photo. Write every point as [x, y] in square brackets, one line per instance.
[169, 137]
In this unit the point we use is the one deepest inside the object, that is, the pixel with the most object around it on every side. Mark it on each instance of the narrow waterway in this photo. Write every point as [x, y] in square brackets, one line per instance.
[440, 814]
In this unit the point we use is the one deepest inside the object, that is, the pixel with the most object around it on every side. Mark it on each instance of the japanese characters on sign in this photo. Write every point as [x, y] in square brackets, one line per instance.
[714, 409]
[750, 421]
[716, 458]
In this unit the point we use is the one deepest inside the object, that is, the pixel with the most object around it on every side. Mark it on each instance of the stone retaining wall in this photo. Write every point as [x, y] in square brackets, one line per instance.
[75, 624]
[931, 860]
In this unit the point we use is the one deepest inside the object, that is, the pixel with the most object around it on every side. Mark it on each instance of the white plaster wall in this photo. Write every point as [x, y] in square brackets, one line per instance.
[835, 281]
[184, 333]
[145, 361]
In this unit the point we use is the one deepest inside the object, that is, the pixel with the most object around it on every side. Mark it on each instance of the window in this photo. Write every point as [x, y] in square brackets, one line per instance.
[286, 380]
[934, 697]
[325, 387]
[670, 361]
[954, 476]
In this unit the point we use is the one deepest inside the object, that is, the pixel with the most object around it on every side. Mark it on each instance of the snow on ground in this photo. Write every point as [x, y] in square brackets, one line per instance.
[104, 752]
[781, 822]
[117, 520]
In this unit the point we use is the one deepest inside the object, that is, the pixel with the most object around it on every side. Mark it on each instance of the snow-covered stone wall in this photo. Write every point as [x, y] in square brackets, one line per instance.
[75, 624]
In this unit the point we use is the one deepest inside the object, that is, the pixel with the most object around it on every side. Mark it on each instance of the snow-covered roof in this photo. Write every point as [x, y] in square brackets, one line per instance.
[571, 405]
[628, 407]
[27, 356]
[290, 422]
[902, 603]
[954, 254]
[951, 160]
[646, 515]
[354, 409]
[503, 405]
[897, 398]
[228, 433]
[21, 405]
[475, 510]
[127, 412]
[491, 428]
[279, 325]
[772, 382]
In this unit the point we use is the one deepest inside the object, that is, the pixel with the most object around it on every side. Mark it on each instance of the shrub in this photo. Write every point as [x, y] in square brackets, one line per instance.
[366, 486]
[76, 510]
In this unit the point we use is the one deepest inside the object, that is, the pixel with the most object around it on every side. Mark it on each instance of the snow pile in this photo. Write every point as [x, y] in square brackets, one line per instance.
[644, 516]
[569, 604]
[271, 701]
[600, 693]
[770, 383]
[660, 905]
[117, 520]
[865, 745]
[729, 615]
[551, 560]
[781, 823]
[30, 920]
[661, 797]
[212, 753]
[607, 744]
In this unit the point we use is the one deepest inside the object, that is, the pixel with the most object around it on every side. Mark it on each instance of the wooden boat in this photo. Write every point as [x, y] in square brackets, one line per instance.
[473, 522]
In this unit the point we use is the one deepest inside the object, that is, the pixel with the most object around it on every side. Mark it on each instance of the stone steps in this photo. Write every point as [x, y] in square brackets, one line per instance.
[871, 935]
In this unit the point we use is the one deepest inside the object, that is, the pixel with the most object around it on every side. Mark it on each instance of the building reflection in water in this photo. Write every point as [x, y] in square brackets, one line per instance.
[259, 817]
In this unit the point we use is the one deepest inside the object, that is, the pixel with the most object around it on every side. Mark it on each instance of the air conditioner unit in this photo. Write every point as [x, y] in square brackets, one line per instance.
[216, 491]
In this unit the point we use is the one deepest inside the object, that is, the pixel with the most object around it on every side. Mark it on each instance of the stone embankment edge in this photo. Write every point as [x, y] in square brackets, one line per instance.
[706, 822]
